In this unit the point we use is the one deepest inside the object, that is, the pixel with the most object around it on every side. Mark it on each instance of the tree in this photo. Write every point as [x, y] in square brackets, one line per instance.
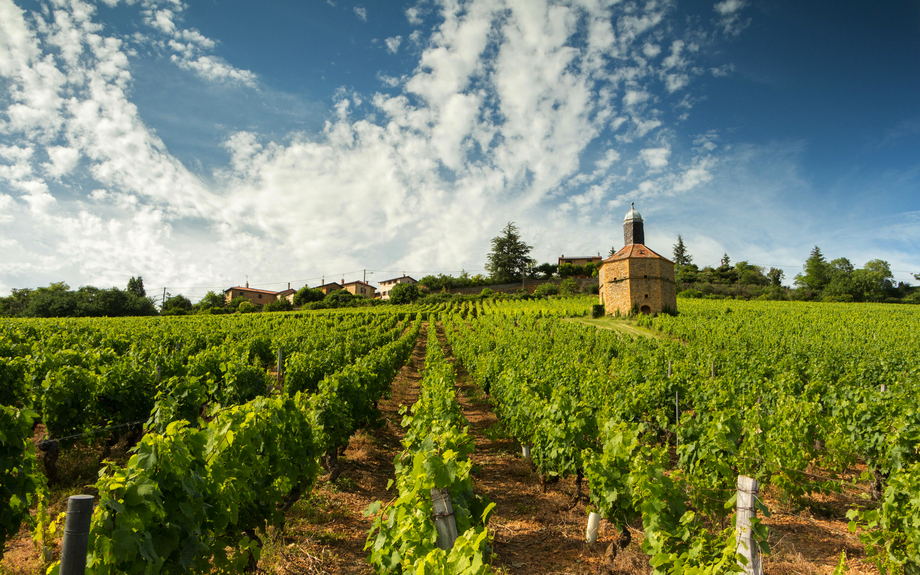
[176, 303]
[235, 303]
[776, 276]
[212, 300]
[613, 250]
[340, 298]
[136, 286]
[306, 295]
[726, 261]
[681, 257]
[509, 257]
[817, 271]
[404, 293]
[688, 274]
[546, 270]
[749, 274]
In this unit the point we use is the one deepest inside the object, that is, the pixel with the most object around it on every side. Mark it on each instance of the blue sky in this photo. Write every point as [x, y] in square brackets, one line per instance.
[201, 143]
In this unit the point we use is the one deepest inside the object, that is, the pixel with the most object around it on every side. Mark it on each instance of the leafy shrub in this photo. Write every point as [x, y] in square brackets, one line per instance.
[690, 294]
[341, 298]
[569, 287]
[404, 294]
[282, 304]
[546, 289]
[246, 307]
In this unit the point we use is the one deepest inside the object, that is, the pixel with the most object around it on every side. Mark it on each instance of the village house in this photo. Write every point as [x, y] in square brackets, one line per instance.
[387, 285]
[360, 288]
[256, 296]
[329, 287]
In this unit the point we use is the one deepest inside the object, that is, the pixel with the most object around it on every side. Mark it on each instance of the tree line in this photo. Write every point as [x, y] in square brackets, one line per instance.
[821, 280]
[508, 262]
[58, 300]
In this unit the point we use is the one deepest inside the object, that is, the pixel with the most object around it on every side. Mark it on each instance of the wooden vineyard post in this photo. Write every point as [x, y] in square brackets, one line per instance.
[280, 357]
[676, 408]
[444, 521]
[76, 534]
[748, 488]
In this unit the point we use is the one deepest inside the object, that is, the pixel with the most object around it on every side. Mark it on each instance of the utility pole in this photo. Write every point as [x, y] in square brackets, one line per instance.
[163, 303]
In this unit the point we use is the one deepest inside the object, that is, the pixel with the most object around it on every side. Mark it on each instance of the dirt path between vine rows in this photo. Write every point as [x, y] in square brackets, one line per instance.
[326, 531]
[536, 532]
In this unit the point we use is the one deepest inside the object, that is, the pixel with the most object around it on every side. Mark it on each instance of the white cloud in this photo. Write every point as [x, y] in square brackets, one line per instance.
[493, 124]
[189, 46]
[413, 15]
[389, 81]
[634, 97]
[655, 158]
[730, 18]
[729, 6]
[393, 44]
[63, 161]
[361, 12]
[651, 50]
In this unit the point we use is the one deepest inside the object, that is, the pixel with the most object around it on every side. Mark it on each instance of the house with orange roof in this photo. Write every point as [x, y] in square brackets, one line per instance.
[256, 296]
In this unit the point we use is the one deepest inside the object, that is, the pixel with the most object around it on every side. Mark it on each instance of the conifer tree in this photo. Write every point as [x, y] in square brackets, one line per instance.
[510, 256]
[681, 257]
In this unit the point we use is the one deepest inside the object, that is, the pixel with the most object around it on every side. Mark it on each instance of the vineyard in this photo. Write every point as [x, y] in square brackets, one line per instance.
[231, 426]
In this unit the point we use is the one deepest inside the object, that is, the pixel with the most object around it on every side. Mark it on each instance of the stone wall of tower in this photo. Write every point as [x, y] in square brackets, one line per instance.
[638, 282]
[633, 232]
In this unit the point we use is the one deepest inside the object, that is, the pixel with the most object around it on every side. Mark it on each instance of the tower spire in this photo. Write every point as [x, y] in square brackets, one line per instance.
[633, 228]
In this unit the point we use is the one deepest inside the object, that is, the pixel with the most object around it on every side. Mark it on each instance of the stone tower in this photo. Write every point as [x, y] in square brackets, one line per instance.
[636, 278]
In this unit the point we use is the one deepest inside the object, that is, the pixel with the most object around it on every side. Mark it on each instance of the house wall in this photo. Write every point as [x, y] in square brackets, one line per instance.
[637, 282]
[388, 285]
[257, 298]
[356, 289]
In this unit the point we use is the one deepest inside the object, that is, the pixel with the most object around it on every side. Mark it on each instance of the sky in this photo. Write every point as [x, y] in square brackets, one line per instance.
[205, 144]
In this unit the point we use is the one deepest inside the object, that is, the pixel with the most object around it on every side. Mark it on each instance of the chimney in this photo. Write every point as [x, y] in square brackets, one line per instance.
[247, 284]
[289, 283]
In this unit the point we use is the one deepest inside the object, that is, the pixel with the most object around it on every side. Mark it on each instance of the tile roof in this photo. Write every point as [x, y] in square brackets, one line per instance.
[635, 251]
[399, 278]
[251, 289]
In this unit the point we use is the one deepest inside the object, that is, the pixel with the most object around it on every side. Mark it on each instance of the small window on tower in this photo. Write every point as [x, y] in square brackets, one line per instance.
[646, 296]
